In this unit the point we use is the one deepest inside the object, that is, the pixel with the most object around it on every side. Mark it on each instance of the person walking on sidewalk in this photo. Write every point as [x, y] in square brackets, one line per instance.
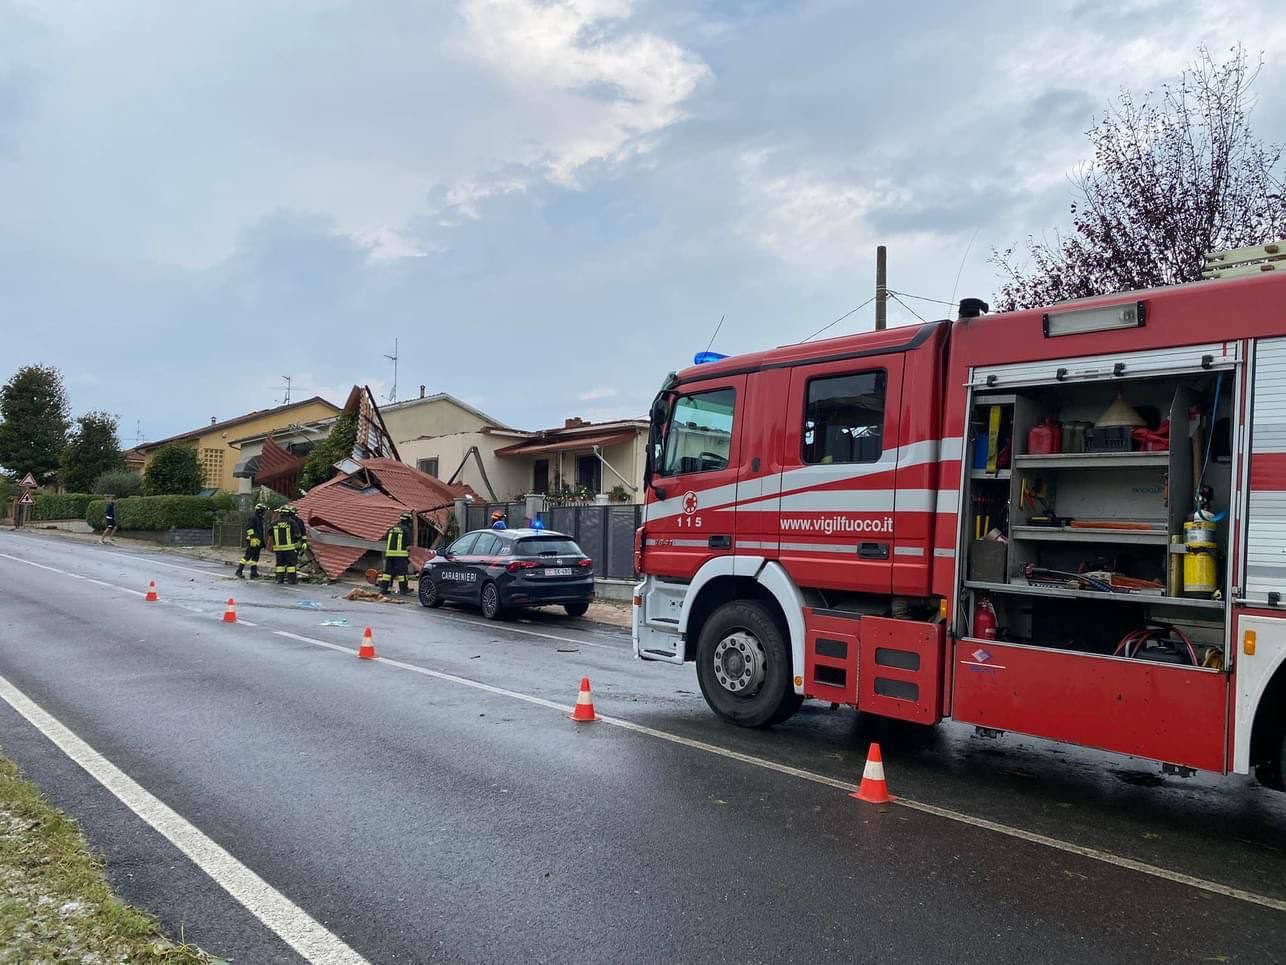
[252, 543]
[109, 521]
[397, 543]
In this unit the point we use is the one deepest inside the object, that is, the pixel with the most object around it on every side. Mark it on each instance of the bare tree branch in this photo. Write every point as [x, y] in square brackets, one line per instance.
[1174, 175]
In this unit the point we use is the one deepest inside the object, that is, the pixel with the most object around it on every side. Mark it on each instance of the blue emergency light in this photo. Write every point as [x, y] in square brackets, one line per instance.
[701, 358]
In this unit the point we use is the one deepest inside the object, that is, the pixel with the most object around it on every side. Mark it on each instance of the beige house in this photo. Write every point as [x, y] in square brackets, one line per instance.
[503, 464]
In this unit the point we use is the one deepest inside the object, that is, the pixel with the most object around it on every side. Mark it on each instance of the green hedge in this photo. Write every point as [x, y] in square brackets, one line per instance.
[156, 513]
[66, 506]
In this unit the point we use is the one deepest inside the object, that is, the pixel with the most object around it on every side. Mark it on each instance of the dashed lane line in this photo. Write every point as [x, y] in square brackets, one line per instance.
[278, 913]
[1056, 844]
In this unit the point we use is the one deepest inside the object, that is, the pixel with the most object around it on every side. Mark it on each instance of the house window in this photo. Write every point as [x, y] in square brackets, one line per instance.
[844, 418]
[540, 476]
[211, 461]
[589, 473]
[429, 466]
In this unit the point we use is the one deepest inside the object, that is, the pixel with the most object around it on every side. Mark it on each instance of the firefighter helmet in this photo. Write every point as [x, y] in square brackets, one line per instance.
[497, 515]
[407, 516]
[260, 507]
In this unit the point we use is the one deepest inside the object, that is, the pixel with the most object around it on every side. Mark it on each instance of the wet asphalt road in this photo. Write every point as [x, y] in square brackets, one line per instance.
[420, 819]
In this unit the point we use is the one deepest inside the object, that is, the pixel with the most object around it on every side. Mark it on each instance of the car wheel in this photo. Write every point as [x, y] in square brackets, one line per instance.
[576, 609]
[429, 592]
[743, 666]
[491, 608]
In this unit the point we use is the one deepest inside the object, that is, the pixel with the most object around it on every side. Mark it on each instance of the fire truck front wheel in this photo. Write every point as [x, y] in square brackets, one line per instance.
[743, 666]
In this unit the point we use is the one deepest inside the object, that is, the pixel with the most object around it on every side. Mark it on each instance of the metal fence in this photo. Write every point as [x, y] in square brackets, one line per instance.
[228, 530]
[605, 533]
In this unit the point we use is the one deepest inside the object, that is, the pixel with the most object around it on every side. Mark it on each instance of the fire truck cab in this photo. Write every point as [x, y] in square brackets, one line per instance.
[1067, 522]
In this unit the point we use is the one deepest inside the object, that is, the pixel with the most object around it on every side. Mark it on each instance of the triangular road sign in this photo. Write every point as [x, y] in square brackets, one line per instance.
[29, 482]
[26, 500]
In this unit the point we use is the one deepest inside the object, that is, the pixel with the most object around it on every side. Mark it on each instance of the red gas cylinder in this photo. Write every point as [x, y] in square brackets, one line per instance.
[1045, 437]
[984, 620]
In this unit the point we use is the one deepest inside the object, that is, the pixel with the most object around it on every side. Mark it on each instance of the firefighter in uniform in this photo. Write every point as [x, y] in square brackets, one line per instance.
[397, 544]
[287, 541]
[251, 544]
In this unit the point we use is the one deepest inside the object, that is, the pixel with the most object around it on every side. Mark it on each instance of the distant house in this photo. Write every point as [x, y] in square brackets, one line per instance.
[214, 444]
[600, 457]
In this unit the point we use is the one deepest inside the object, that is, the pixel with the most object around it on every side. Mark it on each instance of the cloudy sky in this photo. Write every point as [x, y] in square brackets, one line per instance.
[550, 203]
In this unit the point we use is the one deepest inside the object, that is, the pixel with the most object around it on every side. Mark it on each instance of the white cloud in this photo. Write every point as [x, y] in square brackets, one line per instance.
[595, 394]
[601, 87]
[810, 221]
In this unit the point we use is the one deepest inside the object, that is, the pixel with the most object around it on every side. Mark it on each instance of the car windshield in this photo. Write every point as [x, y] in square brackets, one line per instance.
[547, 546]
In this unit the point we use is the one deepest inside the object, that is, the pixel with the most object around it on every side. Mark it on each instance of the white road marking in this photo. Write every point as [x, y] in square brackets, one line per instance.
[510, 628]
[1032, 837]
[174, 566]
[1094, 854]
[278, 913]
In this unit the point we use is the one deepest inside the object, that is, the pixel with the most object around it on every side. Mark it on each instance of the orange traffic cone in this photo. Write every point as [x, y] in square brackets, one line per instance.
[584, 703]
[367, 650]
[230, 614]
[151, 592]
[874, 789]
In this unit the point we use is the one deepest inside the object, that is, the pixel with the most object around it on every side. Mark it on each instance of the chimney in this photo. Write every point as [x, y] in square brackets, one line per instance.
[421, 392]
[573, 422]
[214, 420]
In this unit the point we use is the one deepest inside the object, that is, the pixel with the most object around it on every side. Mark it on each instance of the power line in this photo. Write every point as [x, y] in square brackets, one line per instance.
[840, 319]
[906, 306]
[922, 298]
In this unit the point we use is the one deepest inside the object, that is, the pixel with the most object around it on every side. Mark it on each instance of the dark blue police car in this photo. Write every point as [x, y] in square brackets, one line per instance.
[501, 569]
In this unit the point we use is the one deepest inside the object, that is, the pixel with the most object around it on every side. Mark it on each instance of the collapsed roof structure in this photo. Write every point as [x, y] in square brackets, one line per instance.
[348, 515]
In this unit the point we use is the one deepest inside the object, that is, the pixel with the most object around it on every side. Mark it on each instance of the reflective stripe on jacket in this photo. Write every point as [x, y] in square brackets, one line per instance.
[283, 535]
[395, 542]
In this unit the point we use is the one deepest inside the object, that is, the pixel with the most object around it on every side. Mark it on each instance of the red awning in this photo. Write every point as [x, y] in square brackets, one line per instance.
[566, 443]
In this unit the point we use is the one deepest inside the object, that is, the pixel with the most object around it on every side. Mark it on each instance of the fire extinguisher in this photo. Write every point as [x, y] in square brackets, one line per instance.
[984, 619]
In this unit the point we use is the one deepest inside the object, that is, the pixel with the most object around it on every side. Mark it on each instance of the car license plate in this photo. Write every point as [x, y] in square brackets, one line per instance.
[559, 571]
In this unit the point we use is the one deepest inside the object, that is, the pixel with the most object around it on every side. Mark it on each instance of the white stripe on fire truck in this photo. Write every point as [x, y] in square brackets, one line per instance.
[945, 553]
[908, 551]
[720, 497]
[678, 542]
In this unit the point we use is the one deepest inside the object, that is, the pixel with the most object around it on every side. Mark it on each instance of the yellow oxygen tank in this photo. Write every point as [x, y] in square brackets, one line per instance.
[1199, 569]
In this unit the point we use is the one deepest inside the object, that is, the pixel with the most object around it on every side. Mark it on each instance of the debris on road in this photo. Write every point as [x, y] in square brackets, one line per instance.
[308, 605]
[334, 623]
[370, 596]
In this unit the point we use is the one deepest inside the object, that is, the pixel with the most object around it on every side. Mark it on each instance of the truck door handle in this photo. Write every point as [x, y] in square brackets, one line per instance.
[873, 551]
[720, 542]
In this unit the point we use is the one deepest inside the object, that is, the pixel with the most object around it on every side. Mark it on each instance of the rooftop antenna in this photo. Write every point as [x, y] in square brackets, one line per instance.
[716, 330]
[392, 395]
[285, 389]
[138, 433]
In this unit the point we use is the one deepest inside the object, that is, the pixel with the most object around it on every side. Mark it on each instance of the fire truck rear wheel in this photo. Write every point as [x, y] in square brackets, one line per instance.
[743, 666]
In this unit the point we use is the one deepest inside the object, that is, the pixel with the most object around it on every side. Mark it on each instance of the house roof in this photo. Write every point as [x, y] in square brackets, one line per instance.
[566, 443]
[578, 435]
[317, 427]
[239, 420]
[444, 397]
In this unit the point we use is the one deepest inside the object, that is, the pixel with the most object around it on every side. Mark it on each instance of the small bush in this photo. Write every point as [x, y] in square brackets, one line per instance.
[119, 484]
[224, 502]
[156, 513]
[65, 506]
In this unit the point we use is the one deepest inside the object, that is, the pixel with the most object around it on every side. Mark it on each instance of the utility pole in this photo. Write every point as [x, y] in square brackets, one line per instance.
[392, 396]
[881, 287]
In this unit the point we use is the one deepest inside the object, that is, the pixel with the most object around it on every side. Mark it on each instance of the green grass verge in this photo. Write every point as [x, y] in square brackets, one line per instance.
[55, 904]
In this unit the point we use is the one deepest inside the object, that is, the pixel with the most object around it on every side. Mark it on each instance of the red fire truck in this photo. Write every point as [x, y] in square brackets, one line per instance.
[1067, 522]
